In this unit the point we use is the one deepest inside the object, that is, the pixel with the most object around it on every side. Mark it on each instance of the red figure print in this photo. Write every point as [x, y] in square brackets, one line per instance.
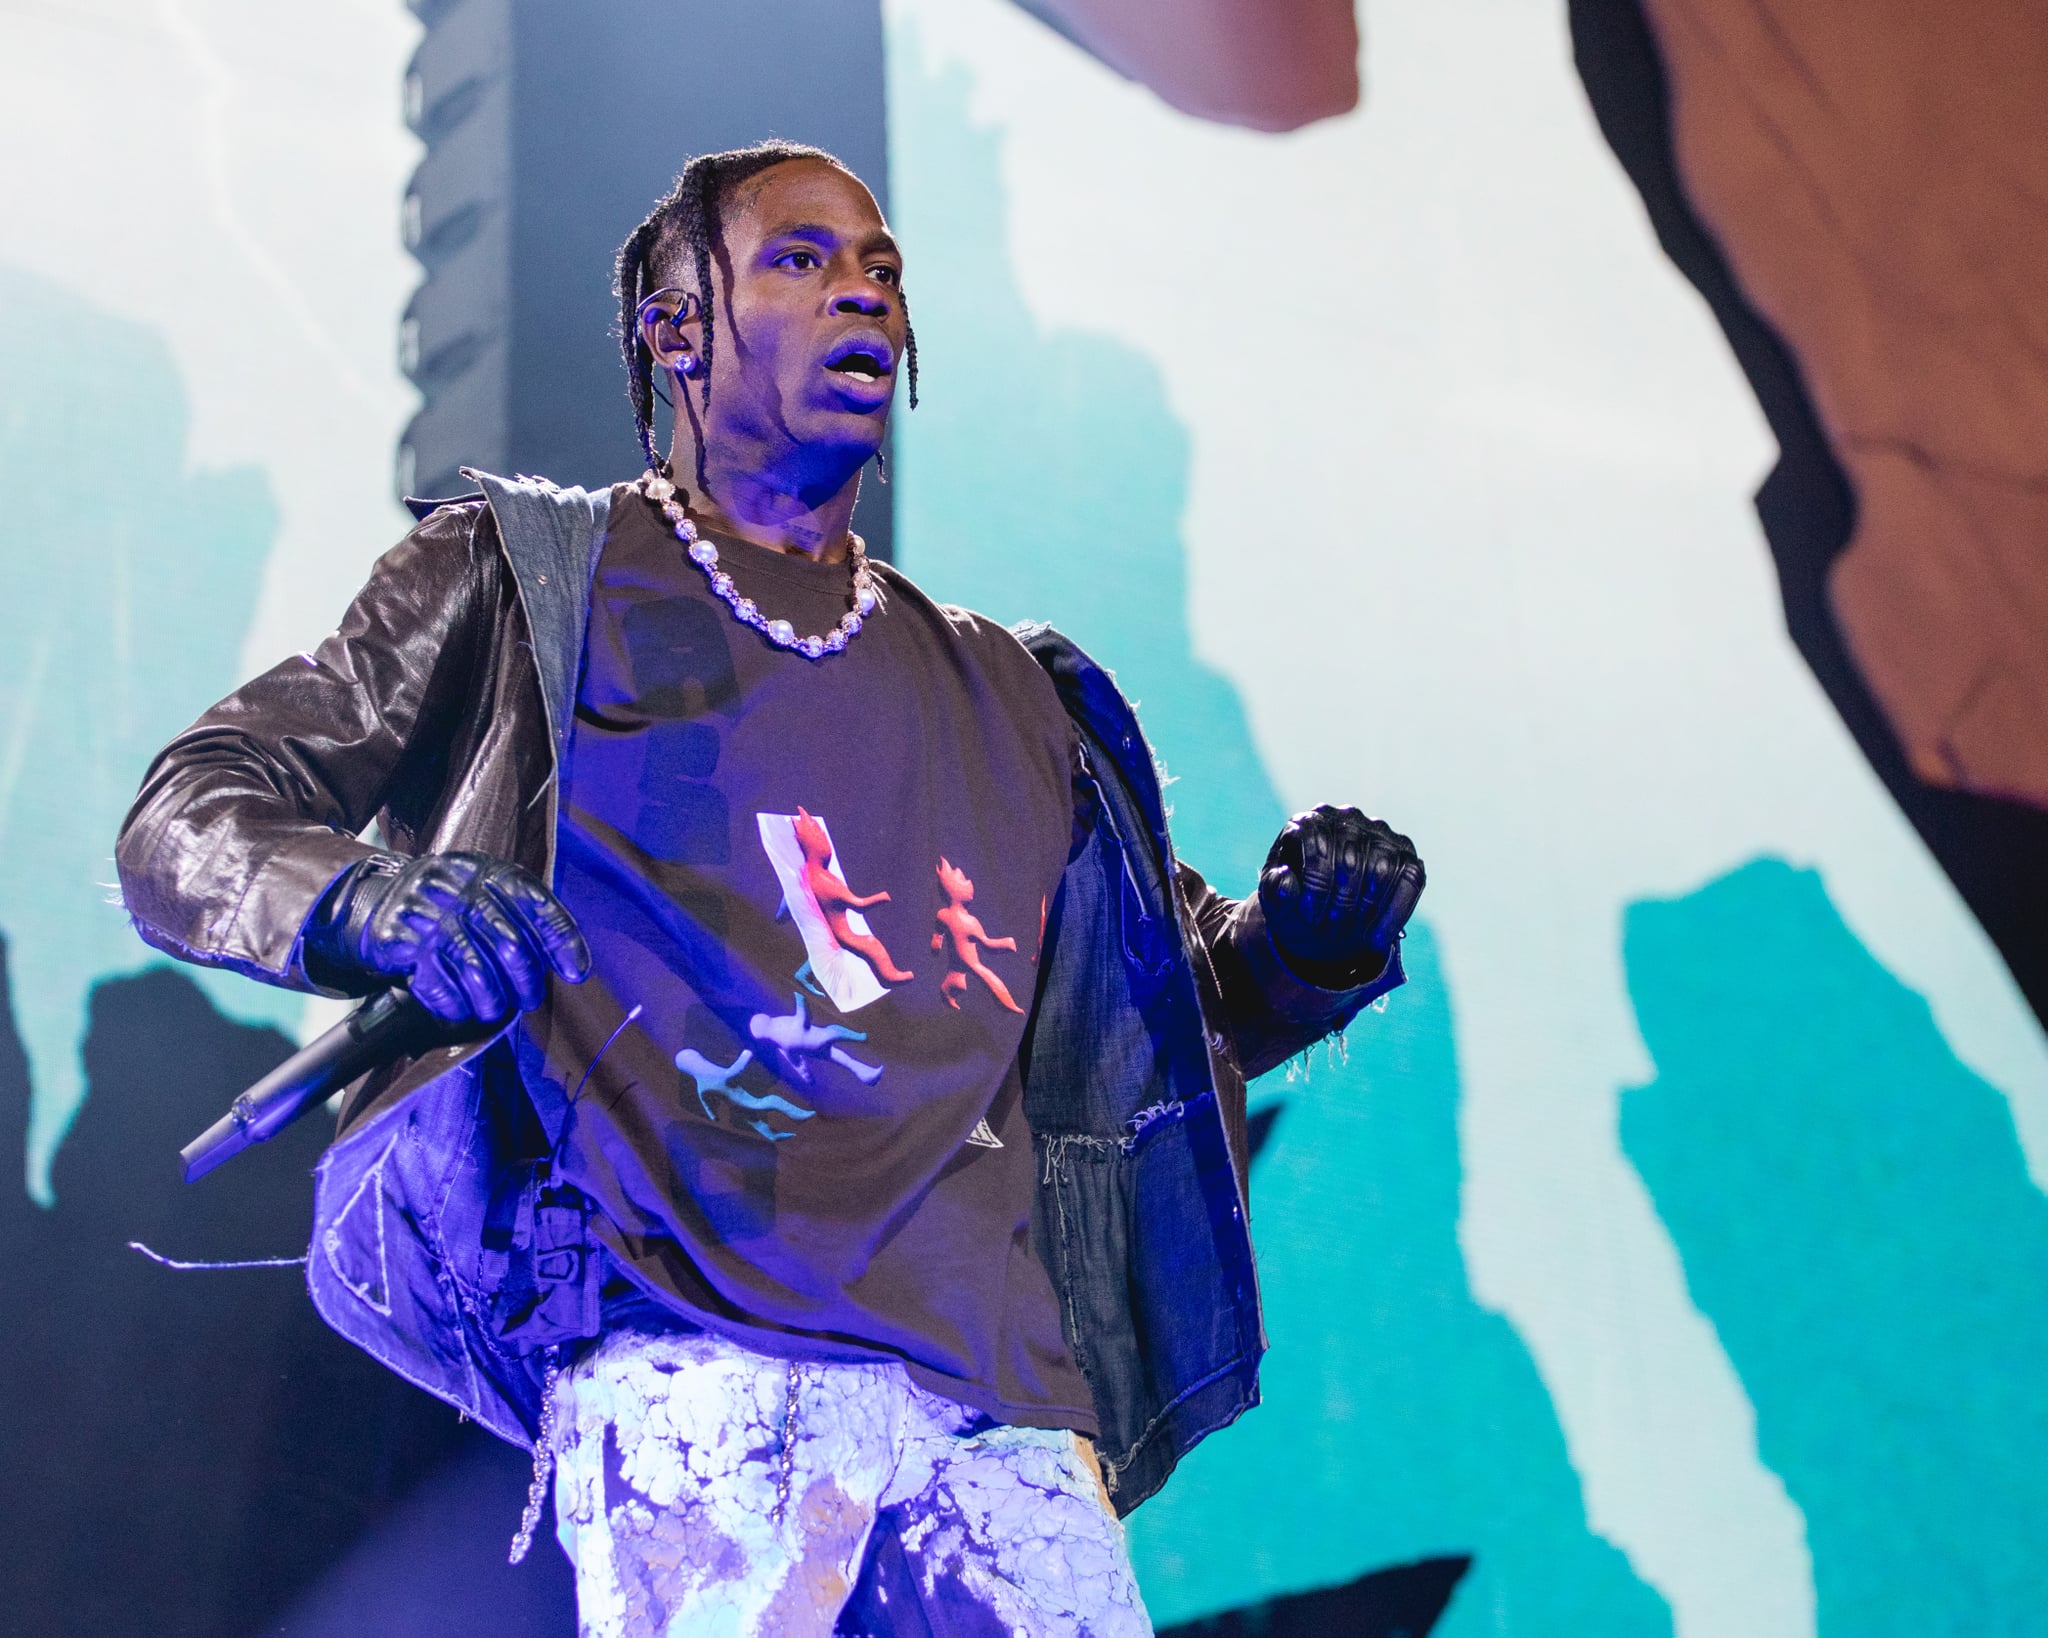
[963, 928]
[834, 898]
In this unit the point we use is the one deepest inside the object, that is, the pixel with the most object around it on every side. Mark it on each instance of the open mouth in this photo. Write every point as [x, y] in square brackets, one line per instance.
[863, 359]
[860, 366]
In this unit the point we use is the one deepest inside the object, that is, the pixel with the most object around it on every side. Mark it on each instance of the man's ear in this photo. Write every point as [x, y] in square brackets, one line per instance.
[672, 328]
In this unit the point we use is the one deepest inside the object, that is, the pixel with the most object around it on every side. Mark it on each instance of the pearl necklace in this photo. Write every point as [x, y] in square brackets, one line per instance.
[779, 632]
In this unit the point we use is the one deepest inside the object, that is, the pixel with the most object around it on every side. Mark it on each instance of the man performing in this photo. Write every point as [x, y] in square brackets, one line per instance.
[856, 1258]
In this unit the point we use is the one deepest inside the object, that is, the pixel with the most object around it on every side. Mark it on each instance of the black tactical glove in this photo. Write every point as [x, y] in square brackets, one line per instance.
[1337, 890]
[471, 936]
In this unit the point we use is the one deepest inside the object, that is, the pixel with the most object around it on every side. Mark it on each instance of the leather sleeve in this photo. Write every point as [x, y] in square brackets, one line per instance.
[1269, 1012]
[245, 818]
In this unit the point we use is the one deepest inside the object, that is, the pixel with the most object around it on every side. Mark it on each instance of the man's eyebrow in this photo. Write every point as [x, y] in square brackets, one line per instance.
[877, 242]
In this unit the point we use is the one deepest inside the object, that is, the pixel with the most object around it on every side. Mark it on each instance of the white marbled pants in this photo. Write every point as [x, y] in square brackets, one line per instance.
[706, 1490]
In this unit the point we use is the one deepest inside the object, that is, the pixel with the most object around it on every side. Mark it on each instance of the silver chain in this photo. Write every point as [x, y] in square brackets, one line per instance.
[543, 1464]
[779, 632]
[786, 1468]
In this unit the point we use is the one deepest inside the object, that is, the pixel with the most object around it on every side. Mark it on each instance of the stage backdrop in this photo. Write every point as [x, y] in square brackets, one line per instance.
[1668, 1257]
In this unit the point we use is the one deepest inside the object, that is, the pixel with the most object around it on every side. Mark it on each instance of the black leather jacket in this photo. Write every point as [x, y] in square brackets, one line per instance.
[439, 709]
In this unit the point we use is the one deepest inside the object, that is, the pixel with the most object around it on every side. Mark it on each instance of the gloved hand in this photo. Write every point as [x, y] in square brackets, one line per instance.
[471, 936]
[1337, 890]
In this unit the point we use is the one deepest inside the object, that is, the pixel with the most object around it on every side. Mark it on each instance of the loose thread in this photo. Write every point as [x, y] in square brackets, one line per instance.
[185, 1267]
[638, 1008]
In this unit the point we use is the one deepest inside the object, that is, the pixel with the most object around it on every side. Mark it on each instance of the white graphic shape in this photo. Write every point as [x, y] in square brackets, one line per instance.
[796, 1039]
[845, 977]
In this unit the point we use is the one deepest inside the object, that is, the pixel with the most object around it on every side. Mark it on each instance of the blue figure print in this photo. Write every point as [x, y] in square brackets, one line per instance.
[711, 1077]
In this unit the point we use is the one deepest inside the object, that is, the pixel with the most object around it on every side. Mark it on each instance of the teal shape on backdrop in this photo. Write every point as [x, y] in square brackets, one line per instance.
[1044, 476]
[1855, 1216]
[131, 580]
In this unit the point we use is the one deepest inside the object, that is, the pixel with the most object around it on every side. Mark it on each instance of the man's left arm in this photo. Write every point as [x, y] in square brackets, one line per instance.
[1319, 939]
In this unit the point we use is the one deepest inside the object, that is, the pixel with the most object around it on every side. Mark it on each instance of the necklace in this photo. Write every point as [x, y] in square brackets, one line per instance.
[779, 632]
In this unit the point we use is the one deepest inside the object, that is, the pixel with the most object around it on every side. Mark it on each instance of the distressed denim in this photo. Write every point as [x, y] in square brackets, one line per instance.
[704, 1488]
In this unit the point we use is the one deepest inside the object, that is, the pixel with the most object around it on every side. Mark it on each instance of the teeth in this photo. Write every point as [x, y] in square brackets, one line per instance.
[863, 375]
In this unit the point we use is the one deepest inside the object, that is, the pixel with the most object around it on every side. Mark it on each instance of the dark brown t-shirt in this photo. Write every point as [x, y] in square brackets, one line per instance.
[823, 886]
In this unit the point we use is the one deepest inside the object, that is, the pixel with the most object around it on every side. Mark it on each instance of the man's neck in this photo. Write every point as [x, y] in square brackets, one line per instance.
[767, 510]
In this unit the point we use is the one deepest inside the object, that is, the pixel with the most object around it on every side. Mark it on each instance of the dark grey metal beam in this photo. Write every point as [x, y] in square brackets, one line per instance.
[550, 129]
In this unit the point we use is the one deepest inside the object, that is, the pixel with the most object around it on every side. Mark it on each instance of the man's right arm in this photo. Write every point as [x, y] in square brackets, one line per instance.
[247, 817]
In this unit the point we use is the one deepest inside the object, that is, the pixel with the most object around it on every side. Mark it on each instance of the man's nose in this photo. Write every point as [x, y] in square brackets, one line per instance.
[866, 298]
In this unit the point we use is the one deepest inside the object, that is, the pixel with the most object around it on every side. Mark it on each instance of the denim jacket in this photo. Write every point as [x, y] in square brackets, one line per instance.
[441, 708]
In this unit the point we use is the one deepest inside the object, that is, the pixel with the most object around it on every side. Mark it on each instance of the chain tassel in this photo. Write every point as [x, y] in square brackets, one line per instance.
[543, 1465]
[786, 1458]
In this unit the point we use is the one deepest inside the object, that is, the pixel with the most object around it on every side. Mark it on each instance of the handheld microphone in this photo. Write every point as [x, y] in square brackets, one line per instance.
[384, 1027]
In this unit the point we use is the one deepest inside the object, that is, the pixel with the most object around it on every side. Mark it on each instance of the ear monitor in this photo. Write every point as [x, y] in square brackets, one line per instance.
[652, 307]
[653, 310]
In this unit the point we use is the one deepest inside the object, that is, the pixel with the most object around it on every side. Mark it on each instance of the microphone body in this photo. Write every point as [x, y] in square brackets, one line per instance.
[387, 1025]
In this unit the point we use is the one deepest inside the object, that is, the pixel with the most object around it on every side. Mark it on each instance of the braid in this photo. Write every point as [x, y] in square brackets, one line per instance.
[909, 346]
[698, 228]
[680, 232]
[632, 279]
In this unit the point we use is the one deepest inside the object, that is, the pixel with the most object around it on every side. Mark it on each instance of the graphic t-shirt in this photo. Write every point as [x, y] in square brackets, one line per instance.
[814, 894]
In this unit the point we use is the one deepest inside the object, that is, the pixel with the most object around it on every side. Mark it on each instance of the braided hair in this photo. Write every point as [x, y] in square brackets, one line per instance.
[679, 232]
